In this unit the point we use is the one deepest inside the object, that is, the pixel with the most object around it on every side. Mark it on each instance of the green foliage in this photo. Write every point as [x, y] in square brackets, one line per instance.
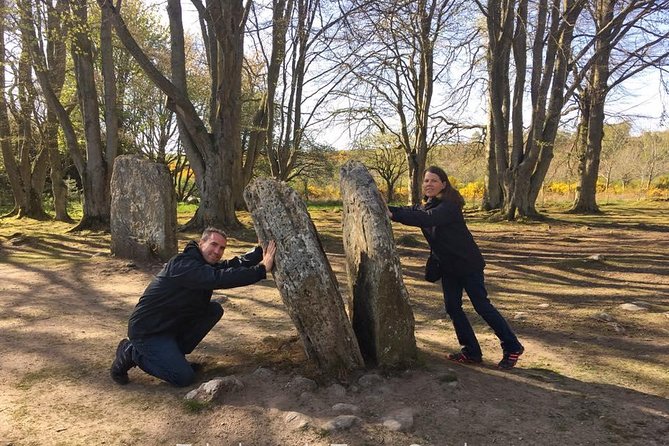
[194, 406]
[186, 208]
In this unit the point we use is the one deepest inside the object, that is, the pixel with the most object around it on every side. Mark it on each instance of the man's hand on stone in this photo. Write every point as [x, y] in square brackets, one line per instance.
[268, 256]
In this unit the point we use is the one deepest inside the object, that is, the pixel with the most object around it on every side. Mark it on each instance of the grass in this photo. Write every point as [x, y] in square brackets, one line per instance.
[45, 374]
[194, 406]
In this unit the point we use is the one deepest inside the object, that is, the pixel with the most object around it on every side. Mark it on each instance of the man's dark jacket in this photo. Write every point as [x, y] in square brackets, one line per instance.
[183, 289]
[444, 228]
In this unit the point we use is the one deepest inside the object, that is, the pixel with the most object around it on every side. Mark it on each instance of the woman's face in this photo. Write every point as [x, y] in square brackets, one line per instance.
[432, 185]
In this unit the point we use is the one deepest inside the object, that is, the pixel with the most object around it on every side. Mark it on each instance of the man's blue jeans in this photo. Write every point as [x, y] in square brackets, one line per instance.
[163, 356]
[475, 287]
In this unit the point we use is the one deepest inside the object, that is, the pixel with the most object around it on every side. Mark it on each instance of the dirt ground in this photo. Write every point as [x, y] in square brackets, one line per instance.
[585, 379]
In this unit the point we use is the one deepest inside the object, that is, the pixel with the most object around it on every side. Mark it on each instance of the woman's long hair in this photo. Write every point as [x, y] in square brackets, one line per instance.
[449, 193]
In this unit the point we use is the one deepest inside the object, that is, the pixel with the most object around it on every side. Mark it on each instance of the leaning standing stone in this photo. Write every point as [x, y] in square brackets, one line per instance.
[304, 277]
[143, 210]
[383, 319]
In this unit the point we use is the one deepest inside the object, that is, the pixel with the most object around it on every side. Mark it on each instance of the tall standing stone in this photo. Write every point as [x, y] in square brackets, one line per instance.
[143, 210]
[304, 277]
[383, 320]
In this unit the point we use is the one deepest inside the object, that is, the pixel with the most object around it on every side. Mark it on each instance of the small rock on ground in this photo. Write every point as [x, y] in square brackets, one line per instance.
[632, 307]
[341, 422]
[300, 384]
[400, 420]
[296, 420]
[602, 316]
[369, 380]
[215, 388]
[345, 408]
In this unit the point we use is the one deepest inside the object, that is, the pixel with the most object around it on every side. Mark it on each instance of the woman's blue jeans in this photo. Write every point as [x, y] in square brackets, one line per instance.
[163, 356]
[474, 285]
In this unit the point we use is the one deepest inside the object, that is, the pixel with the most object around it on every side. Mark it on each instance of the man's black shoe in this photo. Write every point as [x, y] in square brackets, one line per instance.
[122, 362]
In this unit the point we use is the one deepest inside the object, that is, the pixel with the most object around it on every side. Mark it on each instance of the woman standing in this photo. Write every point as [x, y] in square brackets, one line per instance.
[457, 261]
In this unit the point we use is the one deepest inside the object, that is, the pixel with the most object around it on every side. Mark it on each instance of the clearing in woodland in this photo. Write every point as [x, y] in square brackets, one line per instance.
[595, 371]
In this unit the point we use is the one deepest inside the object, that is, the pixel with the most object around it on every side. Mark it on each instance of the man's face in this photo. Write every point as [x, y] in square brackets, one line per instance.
[212, 248]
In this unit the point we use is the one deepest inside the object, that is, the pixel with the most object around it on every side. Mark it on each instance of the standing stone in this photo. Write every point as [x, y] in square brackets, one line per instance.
[143, 210]
[304, 277]
[383, 319]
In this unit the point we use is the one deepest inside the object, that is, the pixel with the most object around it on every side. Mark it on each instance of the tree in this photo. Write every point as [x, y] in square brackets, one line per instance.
[401, 51]
[94, 168]
[615, 141]
[301, 78]
[630, 36]
[96, 172]
[382, 156]
[520, 162]
[56, 54]
[25, 161]
[653, 156]
[215, 154]
[261, 136]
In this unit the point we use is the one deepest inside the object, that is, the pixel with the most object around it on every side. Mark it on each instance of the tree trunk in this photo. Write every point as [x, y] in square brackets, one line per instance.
[304, 277]
[257, 140]
[110, 93]
[500, 30]
[26, 164]
[215, 158]
[95, 177]
[281, 14]
[56, 54]
[528, 166]
[50, 91]
[416, 162]
[383, 320]
[58, 186]
[6, 136]
[228, 18]
[390, 194]
[492, 194]
[586, 200]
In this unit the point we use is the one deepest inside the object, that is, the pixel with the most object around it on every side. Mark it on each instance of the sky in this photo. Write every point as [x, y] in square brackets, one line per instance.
[641, 101]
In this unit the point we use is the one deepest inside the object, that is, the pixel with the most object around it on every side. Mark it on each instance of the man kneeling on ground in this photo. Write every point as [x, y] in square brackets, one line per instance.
[176, 312]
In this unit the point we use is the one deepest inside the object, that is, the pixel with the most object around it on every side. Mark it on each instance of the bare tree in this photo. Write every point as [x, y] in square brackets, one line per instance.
[301, 78]
[630, 36]
[263, 119]
[521, 166]
[382, 155]
[214, 154]
[653, 155]
[402, 51]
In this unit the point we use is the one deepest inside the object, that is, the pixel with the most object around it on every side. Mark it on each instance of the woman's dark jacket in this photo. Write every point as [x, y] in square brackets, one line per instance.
[444, 228]
[183, 289]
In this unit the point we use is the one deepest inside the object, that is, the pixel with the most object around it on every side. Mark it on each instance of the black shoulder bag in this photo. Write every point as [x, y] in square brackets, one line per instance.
[432, 268]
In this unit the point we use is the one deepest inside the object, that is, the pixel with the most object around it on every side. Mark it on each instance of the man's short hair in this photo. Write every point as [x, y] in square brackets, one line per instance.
[209, 230]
